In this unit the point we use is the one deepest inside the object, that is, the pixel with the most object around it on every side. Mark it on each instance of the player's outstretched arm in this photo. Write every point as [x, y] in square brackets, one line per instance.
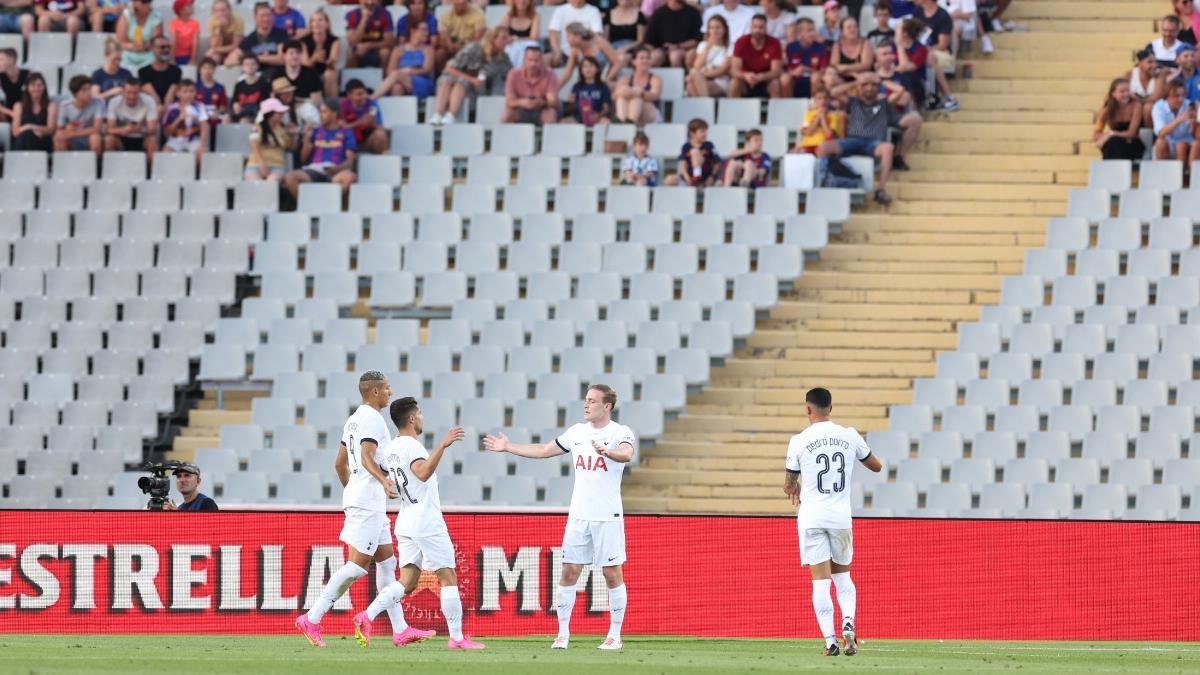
[500, 443]
[623, 453]
[424, 468]
[368, 463]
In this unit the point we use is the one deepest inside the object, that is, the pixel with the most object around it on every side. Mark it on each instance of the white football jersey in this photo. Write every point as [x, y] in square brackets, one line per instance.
[597, 493]
[825, 455]
[420, 504]
[362, 490]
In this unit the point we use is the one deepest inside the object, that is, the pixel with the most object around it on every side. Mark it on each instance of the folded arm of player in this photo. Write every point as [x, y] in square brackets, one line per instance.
[424, 468]
[500, 443]
[623, 453]
[368, 463]
[791, 486]
[342, 464]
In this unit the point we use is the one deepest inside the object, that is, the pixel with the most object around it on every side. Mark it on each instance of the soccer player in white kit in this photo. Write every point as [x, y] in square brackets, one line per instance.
[366, 530]
[422, 540]
[823, 456]
[595, 530]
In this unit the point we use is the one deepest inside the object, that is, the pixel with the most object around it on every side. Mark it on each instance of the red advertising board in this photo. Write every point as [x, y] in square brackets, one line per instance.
[253, 572]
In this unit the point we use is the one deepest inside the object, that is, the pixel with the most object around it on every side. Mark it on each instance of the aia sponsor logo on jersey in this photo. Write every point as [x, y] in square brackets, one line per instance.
[589, 463]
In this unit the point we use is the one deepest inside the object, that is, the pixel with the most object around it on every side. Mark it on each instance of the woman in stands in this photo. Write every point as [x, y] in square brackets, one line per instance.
[710, 68]
[225, 31]
[625, 27]
[1189, 20]
[637, 97]
[321, 49]
[469, 74]
[582, 42]
[1118, 122]
[36, 117]
[410, 68]
[136, 29]
[1147, 82]
[851, 53]
[522, 20]
[270, 143]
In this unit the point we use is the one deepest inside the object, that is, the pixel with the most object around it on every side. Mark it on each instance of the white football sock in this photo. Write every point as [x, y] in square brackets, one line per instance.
[452, 610]
[385, 577]
[823, 604]
[566, 605]
[386, 601]
[617, 599]
[338, 583]
[847, 596]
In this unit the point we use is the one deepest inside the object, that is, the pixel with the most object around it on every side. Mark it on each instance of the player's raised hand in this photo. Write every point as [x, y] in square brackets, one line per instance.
[497, 443]
[600, 449]
[453, 435]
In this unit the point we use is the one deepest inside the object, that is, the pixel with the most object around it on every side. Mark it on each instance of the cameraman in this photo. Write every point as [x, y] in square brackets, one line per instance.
[187, 479]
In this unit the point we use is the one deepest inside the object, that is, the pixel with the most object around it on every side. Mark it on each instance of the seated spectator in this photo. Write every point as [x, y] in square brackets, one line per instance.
[893, 80]
[360, 114]
[35, 117]
[270, 144]
[132, 121]
[591, 100]
[80, 118]
[57, 16]
[820, 124]
[103, 14]
[12, 82]
[1117, 124]
[160, 78]
[673, 30]
[828, 32]
[699, 164]
[249, 92]
[967, 25]
[418, 12]
[1173, 120]
[369, 35]
[737, 17]
[636, 99]
[184, 32]
[807, 59]
[1189, 20]
[522, 20]
[467, 74]
[304, 79]
[625, 27]
[137, 29]
[583, 43]
[710, 67]
[225, 30]
[300, 112]
[781, 20]
[460, 24]
[757, 64]
[1188, 75]
[851, 54]
[939, 27]
[184, 123]
[287, 19]
[531, 92]
[638, 167]
[16, 16]
[749, 166]
[1148, 83]
[882, 32]
[322, 49]
[1165, 48]
[327, 153]
[266, 41]
[410, 69]
[912, 59]
[210, 93]
[574, 11]
[109, 80]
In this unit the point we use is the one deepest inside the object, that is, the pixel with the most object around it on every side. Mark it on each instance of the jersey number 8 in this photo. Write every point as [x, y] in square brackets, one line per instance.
[827, 462]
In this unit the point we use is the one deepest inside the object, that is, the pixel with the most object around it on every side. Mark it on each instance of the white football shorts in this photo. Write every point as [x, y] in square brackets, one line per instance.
[820, 544]
[366, 530]
[429, 553]
[594, 541]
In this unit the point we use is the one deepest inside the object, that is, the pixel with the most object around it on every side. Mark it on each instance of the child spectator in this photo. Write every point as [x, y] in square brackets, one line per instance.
[109, 80]
[327, 153]
[55, 16]
[132, 121]
[591, 100]
[882, 32]
[249, 92]
[183, 122]
[1118, 122]
[270, 144]
[34, 117]
[185, 33]
[12, 82]
[211, 93]
[636, 99]
[411, 66]
[79, 118]
[832, 15]
[369, 35]
[361, 115]
[820, 124]
[322, 49]
[911, 59]
[698, 159]
[710, 67]
[807, 59]
[103, 14]
[1173, 119]
[224, 33]
[939, 27]
[287, 19]
[749, 166]
[638, 167]
[265, 41]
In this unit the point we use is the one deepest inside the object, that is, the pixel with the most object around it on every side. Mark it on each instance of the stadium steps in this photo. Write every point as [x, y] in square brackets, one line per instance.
[203, 429]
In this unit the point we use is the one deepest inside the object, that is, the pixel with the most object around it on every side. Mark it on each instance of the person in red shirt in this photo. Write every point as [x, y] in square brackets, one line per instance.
[757, 63]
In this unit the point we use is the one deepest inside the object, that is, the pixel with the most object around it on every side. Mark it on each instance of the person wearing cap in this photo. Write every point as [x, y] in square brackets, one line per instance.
[187, 481]
[828, 30]
[184, 32]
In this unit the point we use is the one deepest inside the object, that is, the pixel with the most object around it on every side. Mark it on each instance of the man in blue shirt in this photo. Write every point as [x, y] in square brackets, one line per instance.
[187, 479]
[1188, 75]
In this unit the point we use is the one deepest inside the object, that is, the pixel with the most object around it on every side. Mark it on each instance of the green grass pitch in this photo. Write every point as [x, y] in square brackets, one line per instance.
[216, 654]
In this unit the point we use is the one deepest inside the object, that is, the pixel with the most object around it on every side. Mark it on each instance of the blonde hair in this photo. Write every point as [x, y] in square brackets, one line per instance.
[111, 46]
[489, 42]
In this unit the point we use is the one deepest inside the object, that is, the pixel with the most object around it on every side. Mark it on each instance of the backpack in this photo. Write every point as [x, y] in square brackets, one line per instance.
[834, 173]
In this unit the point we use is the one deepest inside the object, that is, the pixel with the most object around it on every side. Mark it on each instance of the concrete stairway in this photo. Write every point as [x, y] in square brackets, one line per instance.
[889, 291]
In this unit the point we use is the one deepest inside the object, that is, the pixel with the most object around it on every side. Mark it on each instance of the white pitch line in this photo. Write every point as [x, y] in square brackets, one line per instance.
[959, 650]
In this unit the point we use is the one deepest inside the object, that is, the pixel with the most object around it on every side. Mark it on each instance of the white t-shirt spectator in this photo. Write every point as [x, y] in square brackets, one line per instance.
[738, 19]
[567, 14]
[778, 27]
[1164, 54]
[69, 113]
[715, 57]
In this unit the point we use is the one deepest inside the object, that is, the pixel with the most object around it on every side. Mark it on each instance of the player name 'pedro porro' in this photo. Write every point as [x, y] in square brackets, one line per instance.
[826, 442]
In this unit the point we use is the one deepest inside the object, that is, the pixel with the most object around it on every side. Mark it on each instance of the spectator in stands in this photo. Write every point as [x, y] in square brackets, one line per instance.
[522, 20]
[266, 41]
[1147, 82]
[410, 68]
[699, 164]
[225, 31]
[137, 29]
[16, 16]
[304, 79]
[781, 20]
[867, 120]
[749, 166]
[54, 16]
[270, 144]
[322, 49]
[1189, 20]
[757, 63]
[967, 25]
[851, 53]
[939, 26]
[249, 92]
[109, 80]
[327, 153]
[820, 124]
[583, 43]
[185, 122]
[1188, 75]
[132, 121]
[882, 32]
[80, 118]
[893, 80]
[12, 82]
[187, 480]
[210, 93]
[161, 76]
[461, 24]
[468, 73]
[531, 92]
[638, 167]
[807, 60]
[636, 99]
[673, 30]
[1118, 122]
[418, 12]
[361, 114]
[1165, 48]
[911, 59]
[287, 19]
[34, 116]
[625, 28]
[575, 11]
[710, 67]
[828, 32]
[1173, 120]
[737, 17]
[103, 14]
[299, 112]
[184, 32]
[591, 99]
